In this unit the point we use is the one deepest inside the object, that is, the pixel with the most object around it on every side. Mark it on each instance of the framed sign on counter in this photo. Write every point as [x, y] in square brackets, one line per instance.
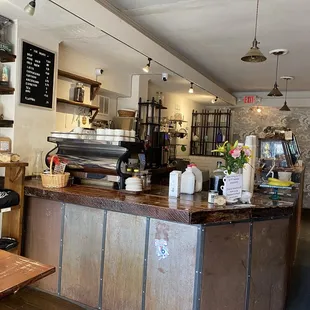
[37, 78]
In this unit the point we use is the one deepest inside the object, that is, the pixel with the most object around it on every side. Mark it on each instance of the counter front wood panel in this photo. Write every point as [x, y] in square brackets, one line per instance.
[170, 281]
[269, 265]
[42, 237]
[82, 254]
[225, 267]
[123, 262]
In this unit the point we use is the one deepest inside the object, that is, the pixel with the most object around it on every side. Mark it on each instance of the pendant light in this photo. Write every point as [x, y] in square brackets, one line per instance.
[146, 69]
[191, 89]
[254, 55]
[30, 8]
[286, 78]
[275, 92]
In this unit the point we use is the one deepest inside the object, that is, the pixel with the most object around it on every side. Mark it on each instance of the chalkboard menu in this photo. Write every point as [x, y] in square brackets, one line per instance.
[37, 76]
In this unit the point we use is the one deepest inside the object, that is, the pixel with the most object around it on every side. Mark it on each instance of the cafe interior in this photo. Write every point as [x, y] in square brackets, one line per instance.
[153, 156]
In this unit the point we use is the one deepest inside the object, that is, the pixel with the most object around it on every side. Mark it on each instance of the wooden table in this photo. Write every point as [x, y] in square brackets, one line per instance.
[17, 272]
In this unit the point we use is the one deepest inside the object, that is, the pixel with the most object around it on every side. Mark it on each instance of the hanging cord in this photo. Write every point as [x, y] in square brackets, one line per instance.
[256, 20]
[277, 69]
[285, 91]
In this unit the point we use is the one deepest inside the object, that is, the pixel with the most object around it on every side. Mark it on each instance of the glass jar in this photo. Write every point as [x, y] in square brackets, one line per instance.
[38, 167]
[79, 92]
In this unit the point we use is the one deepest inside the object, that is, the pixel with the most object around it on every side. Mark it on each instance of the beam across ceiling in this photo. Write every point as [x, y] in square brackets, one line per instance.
[102, 18]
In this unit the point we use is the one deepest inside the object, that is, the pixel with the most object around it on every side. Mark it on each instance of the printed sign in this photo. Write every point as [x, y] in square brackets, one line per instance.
[249, 99]
[233, 186]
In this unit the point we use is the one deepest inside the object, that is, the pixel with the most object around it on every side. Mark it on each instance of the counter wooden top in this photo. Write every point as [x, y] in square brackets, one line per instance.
[188, 209]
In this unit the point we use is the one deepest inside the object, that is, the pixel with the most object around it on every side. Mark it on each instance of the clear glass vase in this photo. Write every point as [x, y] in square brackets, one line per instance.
[38, 167]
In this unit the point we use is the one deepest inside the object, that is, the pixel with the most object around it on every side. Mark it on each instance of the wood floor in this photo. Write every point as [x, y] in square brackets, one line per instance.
[299, 297]
[29, 299]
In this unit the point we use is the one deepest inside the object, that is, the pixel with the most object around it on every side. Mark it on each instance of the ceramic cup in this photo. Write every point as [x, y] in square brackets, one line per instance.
[284, 175]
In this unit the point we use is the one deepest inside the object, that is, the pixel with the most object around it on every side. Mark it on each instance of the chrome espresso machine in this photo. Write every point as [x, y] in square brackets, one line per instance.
[95, 162]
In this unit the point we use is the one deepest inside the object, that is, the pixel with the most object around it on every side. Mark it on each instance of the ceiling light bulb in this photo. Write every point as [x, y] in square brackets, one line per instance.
[146, 69]
[30, 8]
[191, 89]
[258, 110]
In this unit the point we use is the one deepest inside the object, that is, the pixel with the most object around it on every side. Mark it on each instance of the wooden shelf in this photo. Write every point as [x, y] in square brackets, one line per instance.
[10, 165]
[94, 85]
[5, 90]
[7, 57]
[6, 124]
[81, 105]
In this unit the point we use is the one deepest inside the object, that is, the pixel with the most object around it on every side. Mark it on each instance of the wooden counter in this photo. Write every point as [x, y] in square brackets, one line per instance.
[188, 209]
[104, 244]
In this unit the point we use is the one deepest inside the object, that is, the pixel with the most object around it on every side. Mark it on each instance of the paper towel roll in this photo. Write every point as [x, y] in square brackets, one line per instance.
[249, 168]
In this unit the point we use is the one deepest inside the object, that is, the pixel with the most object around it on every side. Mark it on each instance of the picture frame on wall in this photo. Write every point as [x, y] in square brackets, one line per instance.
[37, 76]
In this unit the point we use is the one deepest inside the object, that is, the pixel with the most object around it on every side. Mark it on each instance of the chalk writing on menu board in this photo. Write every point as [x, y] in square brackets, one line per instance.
[37, 76]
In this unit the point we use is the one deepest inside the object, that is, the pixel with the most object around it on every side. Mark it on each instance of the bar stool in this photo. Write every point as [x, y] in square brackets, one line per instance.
[8, 199]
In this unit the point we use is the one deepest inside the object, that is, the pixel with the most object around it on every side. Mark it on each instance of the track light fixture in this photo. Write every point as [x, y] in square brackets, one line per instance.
[191, 89]
[286, 78]
[254, 55]
[146, 69]
[258, 109]
[30, 8]
[275, 92]
[215, 99]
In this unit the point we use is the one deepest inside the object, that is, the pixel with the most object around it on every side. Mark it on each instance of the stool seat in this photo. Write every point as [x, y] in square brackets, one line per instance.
[7, 243]
[8, 198]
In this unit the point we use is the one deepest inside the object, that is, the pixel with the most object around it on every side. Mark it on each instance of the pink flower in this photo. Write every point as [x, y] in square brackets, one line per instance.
[247, 152]
[235, 153]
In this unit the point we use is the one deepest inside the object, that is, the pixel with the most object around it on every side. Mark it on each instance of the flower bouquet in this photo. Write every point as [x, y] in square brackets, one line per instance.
[235, 156]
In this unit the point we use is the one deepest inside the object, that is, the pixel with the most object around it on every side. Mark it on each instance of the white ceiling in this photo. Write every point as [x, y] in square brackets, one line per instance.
[76, 34]
[214, 34]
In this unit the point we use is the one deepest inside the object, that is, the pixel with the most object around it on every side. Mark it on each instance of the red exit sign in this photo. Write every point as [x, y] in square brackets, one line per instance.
[249, 99]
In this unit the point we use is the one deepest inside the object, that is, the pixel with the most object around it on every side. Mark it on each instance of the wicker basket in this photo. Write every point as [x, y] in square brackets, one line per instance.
[126, 113]
[54, 180]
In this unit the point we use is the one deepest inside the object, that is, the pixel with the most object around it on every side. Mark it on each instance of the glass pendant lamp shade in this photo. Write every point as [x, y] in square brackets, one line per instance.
[254, 54]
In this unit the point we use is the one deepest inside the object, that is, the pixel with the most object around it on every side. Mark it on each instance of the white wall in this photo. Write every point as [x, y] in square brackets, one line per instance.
[114, 83]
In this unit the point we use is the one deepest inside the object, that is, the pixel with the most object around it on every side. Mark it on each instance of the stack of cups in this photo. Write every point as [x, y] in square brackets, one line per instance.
[249, 168]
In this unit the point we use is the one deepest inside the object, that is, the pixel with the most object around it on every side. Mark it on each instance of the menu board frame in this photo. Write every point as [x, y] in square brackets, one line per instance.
[39, 99]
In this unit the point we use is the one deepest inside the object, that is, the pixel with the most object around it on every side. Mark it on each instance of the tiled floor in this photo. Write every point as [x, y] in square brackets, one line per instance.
[28, 299]
[299, 297]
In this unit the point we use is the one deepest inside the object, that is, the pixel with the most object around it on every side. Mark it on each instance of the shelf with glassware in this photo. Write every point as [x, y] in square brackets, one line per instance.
[174, 126]
[148, 129]
[209, 129]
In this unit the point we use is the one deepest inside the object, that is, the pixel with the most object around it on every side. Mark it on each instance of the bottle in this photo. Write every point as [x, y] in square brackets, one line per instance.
[175, 183]
[198, 178]
[219, 137]
[188, 181]
[217, 178]
[37, 168]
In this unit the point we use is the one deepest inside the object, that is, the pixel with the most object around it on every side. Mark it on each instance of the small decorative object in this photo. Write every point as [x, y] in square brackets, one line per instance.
[236, 156]
[54, 180]
[5, 45]
[246, 197]
[161, 248]
[79, 92]
[219, 200]
[183, 148]
[195, 138]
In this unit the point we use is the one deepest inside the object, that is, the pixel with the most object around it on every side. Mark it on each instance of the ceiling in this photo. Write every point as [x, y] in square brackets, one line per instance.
[110, 53]
[214, 34]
